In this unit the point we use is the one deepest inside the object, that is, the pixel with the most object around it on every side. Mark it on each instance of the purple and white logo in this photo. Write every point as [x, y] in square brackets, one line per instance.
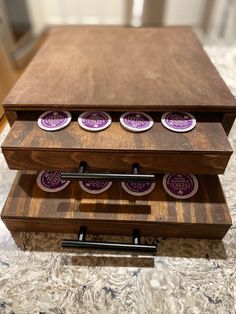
[136, 121]
[50, 181]
[94, 121]
[180, 186]
[54, 120]
[95, 186]
[178, 121]
[137, 188]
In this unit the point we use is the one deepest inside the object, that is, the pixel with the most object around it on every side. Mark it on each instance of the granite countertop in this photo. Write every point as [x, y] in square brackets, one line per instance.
[187, 276]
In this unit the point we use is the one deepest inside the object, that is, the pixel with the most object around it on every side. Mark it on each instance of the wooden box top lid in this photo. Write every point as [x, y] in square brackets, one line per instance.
[117, 68]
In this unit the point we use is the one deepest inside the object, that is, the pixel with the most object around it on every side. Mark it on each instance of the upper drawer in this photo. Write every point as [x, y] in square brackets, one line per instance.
[204, 150]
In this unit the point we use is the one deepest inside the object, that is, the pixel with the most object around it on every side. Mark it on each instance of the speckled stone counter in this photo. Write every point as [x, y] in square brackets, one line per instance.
[186, 276]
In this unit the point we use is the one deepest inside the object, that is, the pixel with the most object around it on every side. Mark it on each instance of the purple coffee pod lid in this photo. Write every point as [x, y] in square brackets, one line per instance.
[94, 121]
[95, 186]
[180, 186]
[54, 120]
[136, 121]
[138, 188]
[178, 121]
[50, 181]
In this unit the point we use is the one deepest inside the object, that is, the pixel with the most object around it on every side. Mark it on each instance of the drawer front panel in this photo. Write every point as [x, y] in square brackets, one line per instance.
[204, 231]
[117, 162]
[116, 212]
[204, 150]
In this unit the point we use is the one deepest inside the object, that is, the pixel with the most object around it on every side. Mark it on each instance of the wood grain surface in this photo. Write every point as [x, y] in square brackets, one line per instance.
[204, 150]
[28, 208]
[111, 68]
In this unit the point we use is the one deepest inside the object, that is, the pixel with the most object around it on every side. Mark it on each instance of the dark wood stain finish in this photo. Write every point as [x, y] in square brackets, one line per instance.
[120, 69]
[117, 68]
[28, 208]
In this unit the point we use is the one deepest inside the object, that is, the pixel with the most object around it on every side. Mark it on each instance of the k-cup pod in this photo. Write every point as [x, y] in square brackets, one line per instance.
[178, 121]
[94, 121]
[136, 121]
[95, 186]
[180, 186]
[138, 188]
[50, 181]
[54, 120]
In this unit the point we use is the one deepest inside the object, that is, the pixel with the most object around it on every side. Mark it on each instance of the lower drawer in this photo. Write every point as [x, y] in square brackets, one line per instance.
[205, 215]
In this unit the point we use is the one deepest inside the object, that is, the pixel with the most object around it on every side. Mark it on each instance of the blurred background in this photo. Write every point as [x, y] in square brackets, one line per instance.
[24, 24]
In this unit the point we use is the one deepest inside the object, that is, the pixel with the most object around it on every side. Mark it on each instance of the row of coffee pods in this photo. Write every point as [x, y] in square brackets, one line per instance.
[132, 121]
[133, 188]
[50, 181]
[175, 121]
[90, 121]
[94, 121]
[181, 186]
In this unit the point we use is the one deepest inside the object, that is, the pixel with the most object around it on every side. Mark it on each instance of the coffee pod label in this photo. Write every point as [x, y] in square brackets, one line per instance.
[178, 121]
[137, 188]
[95, 186]
[136, 121]
[180, 186]
[50, 181]
[94, 121]
[54, 120]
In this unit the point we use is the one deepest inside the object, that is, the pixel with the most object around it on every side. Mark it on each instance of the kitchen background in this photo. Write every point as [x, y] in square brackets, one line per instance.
[24, 23]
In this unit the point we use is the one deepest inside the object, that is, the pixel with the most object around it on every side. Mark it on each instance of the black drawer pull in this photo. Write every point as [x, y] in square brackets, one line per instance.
[81, 243]
[82, 175]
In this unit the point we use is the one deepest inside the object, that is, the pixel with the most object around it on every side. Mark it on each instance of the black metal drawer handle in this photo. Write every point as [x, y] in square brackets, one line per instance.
[81, 243]
[82, 175]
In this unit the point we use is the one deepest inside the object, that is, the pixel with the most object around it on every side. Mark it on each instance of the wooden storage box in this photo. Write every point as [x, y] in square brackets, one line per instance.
[116, 70]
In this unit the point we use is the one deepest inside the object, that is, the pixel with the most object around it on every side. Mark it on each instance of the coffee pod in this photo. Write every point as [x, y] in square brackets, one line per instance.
[50, 181]
[136, 121]
[94, 121]
[54, 120]
[95, 186]
[138, 188]
[181, 186]
[178, 121]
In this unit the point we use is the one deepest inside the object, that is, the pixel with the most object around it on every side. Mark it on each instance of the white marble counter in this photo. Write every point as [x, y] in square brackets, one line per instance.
[187, 276]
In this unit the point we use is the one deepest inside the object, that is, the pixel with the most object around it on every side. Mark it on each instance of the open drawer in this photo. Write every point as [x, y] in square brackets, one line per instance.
[205, 215]
[204, 150]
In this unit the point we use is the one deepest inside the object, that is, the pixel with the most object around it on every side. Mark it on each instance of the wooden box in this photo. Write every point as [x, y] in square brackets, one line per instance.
[117, 69]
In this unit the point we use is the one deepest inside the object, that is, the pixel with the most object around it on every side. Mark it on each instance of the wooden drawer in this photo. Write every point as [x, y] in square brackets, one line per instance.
[204, 150]
[205, 215]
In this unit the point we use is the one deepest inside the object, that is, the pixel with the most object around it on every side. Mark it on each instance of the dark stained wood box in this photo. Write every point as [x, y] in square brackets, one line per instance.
[120, 69]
